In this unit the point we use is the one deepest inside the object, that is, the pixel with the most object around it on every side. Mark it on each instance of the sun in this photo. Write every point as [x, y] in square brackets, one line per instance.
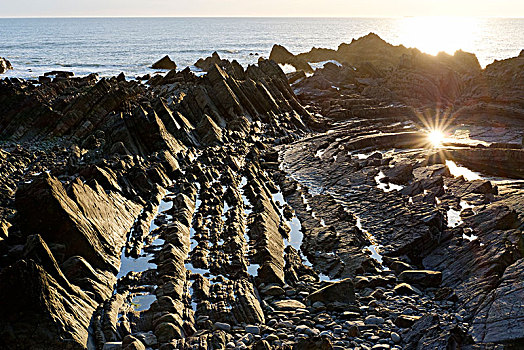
[436, 137]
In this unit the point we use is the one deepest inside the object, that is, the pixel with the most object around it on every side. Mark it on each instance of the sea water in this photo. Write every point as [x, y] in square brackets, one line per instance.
[108, 46]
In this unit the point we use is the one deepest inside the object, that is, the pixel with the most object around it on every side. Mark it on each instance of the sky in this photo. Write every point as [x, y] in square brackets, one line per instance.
[262, 8]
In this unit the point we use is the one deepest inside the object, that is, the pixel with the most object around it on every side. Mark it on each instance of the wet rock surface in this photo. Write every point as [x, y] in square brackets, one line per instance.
[217, 212]
[5, 65]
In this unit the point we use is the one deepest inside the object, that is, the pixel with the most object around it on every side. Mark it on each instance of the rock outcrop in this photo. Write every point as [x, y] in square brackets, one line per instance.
[164, 63]
[5, 65]
[228, 209]
[281, 55]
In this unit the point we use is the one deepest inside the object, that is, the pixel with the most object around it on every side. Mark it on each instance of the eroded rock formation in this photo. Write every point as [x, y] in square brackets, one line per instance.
[232, 210]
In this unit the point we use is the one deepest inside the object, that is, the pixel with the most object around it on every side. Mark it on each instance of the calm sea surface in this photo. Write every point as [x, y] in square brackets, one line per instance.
[109, 46]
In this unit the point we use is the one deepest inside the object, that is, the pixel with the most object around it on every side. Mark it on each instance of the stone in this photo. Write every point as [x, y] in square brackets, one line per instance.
[381, 347]
[314, 343]
[112, 346]
[288, 305]
[395, 337]
[405, 289]
[400, 173]
[342, 291]
[281, 55]
[165, 332]
[273, 291]
[222, 326]
[405, 321]
[252, 329]
[5, 65]
[132, 343]
[353, 331]
[373, 320]
[164, 63]
[424, 278]
[262, 344]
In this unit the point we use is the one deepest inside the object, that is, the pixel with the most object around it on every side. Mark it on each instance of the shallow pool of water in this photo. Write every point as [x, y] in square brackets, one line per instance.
[373, 248]
[386, 187]
[458, 170]
[143, 301]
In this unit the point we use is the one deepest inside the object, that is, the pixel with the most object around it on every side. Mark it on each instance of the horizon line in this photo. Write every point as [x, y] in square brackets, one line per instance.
[248, 16]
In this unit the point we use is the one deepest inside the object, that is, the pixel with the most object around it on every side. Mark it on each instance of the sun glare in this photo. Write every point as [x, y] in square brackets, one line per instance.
[434, 34]
[436, 137]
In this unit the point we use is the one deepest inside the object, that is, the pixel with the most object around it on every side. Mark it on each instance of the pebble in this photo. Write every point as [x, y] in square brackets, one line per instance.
[395, 337]
[381, 347]
[374, 320]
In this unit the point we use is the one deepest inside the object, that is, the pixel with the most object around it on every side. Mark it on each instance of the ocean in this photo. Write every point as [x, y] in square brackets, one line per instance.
[108, 46]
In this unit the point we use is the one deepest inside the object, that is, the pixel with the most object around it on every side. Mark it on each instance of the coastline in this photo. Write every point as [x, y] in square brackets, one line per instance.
[375, 201]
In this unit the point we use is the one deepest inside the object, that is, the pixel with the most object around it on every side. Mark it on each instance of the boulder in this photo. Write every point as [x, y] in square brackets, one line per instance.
[400, 173]
[281, 55]
[342, 292]
[288, 305]
[424, 278]
[132, 343]
[209, 62]
[165, 332]
[314, 343]
[59, 74]
[164, 63]
[5, 65]
[405, 289]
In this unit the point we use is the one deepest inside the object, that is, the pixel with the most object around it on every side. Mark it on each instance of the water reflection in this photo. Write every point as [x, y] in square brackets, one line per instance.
[457, 170]
[435, 34]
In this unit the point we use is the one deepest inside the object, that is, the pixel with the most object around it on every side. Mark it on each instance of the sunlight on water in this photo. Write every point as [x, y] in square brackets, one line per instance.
[435, 34]
[457, 170]
[386, 187]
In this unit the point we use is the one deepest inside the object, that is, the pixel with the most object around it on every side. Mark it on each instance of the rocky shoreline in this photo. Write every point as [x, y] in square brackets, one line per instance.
[249, 209]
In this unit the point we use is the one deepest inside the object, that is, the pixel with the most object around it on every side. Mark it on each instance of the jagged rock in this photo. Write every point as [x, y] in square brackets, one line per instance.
[499, 319]
[400, 173]
[281, 55]
[40, 312]
[164, 63]
[295, 76]
[131, 343]
[209, 62]
[165, 332]
[4, 229]
[5, 65]
[405, 289]
[86, 230]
